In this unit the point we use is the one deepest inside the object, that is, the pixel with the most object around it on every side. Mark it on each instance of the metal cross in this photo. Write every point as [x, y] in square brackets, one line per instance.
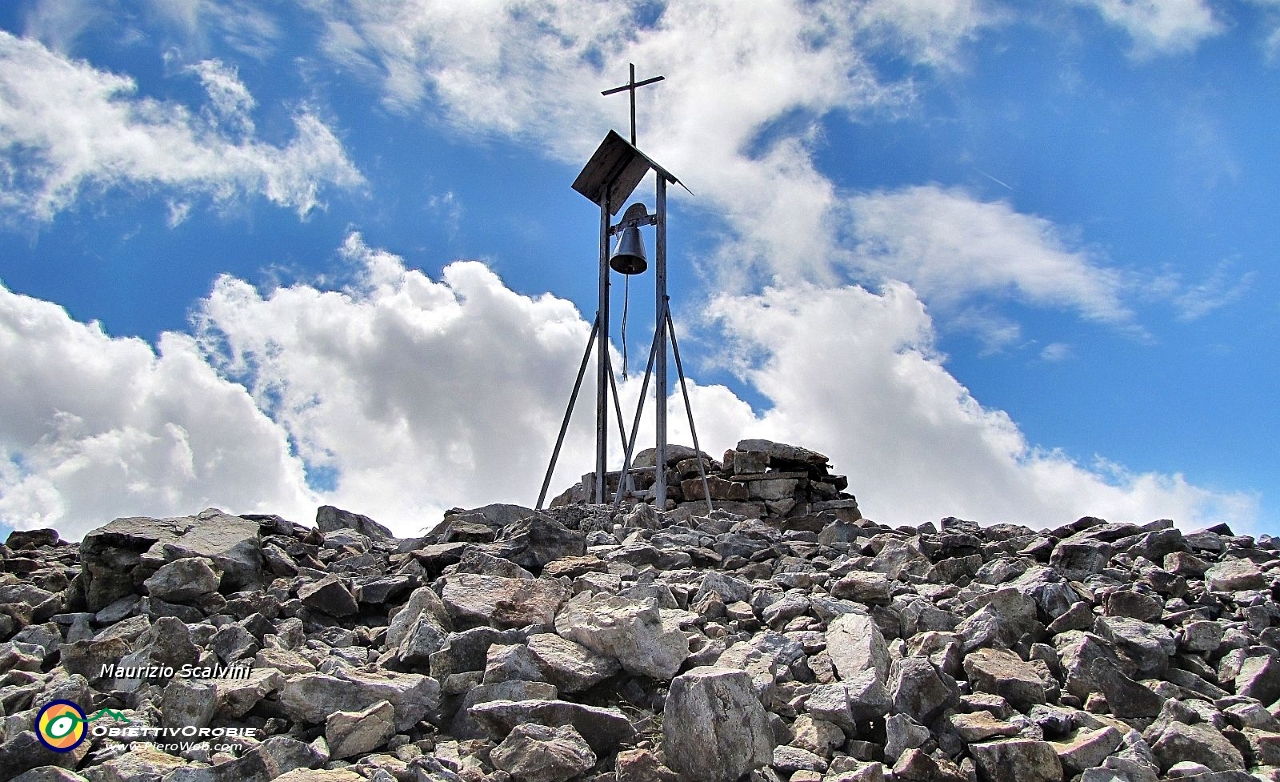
[630, 86]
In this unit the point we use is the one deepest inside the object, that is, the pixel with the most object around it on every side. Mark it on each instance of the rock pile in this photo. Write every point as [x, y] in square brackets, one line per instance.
[758, 479]
[509, 645]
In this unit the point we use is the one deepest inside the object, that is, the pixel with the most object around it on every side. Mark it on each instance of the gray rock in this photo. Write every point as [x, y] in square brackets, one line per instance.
[603, 729]
[330, 595]
[714, 727]
[1259, 678]
[331, 519]
[855, 644]
[110, 554]
[1002, 618]
[1201, 636]
[351, 733]
[422, 600]
[539, 753]
[48, 774]
[511, 662]
[312, 697]
[232, 642]
[1016, 760]
[920, 691]
[902, 733]
[1200, 743]
[141, 763]
[1079, 557]
[570, 666]
[88, 657]
[502, 602]
[468, 650]
[1149, 645]
[1234, 575]
[781, 452]
[182, 580]
[236, 697]
[1004, 673]
[536, 540]
[282, 754]
[816, 735]
[1077, 650]
[246, 768]
[188, 702]
[1125, 697]
[865, 587]
[1088, 749]
[1134, 605]
[635, 634]
[788, 760]
[464, 726]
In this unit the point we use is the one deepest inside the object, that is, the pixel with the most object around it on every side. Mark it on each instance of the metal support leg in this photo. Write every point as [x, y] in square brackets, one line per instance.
[568, 413]
[671, 326]
[635, 428]
[623, 478]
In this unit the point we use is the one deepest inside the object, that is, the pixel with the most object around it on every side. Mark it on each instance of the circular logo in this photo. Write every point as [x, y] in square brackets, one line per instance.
[60, 726]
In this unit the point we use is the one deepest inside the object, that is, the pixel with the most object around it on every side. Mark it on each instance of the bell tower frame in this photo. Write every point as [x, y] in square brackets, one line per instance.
[608, 180]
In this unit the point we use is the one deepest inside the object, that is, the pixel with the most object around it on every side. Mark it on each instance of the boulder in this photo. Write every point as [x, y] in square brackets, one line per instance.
[351, 733]
[312, 697]
[633, 633]
[539, 753]
[182, 580]
[111, 554]
[714, 727]
[1016, 760]
[502, 602]
[604, 729]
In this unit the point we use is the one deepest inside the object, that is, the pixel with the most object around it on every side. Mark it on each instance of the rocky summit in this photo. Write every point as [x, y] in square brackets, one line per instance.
[780, 636]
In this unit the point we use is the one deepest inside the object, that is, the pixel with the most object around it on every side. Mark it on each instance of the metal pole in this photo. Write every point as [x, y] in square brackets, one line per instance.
[602, 357]
[688, 408]
[660, 273]
[568, 413]
[622, 427]
[630, 447]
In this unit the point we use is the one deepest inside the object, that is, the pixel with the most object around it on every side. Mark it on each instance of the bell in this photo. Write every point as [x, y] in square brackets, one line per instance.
[628, 254]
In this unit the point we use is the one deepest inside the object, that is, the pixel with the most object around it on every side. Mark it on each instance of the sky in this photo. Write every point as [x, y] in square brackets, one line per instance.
[1011, 262]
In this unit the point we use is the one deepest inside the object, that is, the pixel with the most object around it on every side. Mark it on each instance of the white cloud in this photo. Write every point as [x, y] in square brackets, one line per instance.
[868, 389]
[1160, 26]
[950, 247]
[243, 25]
[417, 395]
[68, 128]
[97, 427]
[1056, 351]
[932, 31]
[1192, 301]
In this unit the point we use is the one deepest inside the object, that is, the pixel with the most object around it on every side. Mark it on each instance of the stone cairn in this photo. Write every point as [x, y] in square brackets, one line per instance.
[795, 642]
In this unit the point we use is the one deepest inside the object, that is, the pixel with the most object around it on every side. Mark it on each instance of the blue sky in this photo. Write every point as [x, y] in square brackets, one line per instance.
[1002, 263]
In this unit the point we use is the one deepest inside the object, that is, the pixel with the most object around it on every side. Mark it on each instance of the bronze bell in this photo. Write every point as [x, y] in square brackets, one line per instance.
[628, 254]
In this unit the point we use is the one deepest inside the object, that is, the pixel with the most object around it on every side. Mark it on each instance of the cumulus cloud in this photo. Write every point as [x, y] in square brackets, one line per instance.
[869, 390]
[97, 427]
[401, 396]
[68, 128]
[1160, 27]
[417, 394]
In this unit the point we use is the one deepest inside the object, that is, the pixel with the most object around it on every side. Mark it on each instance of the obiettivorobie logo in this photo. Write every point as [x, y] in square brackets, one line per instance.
[62, 725]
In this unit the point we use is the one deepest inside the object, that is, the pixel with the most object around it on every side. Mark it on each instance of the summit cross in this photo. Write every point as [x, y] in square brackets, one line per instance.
[631, 86]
